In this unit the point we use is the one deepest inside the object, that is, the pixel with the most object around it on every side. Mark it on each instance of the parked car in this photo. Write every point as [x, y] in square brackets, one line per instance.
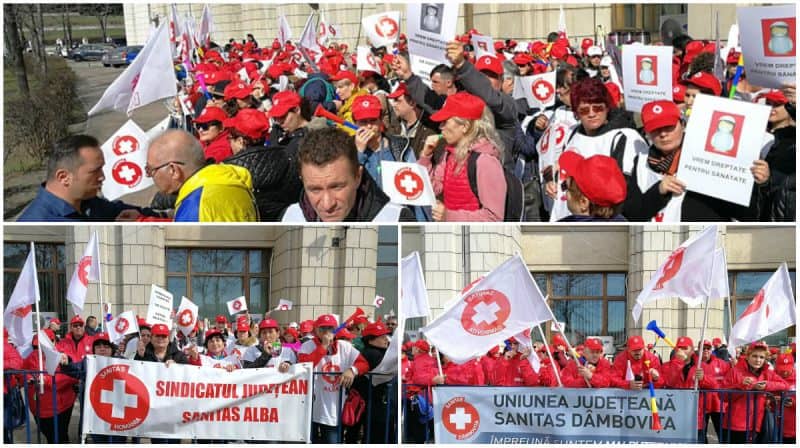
[90, 52]
[119, 56]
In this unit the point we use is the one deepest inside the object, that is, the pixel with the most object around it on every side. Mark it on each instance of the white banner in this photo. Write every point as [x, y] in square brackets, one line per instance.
[237, 305]
[148, 399]
[647, 70]
[125, 155]
[284, 30]
[538, 90]
[407, 183]
[429, 27]
[723, 138]
[382, 29]
[366, 61]
[159, 311]
[769, 44]
[482, 45]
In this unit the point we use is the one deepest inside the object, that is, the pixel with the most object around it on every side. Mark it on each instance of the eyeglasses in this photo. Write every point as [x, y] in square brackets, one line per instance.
[596, 108]
[149, 171]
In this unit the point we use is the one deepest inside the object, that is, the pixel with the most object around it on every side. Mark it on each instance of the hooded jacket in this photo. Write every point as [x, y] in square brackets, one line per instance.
[217, 193]
[346, 111]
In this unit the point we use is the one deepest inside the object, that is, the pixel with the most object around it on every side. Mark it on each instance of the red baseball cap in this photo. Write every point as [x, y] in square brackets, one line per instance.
[593, 344]
[77, 319]
[345, 74]
[461, 105]
[635, 343]
[760, 345]
[269, 323]
[366, 107]
[684, 341]
[716, 342]
[613, 90]
[499, 45]
[211, 113]
[221, 319]
[250, 122]
[678, 93]
[522, 59]
[707, 343]
[399, 91]
[306, 326]
[238, 90]
[659, 114]
[423, 345]
[772, 98]
[283, 102]
[375, 329]
[784, 362]
[242, 326]
[326, 320]
[101, 337]
[213, 333]
[55, 320]
[733, 57]
[558, 51]
[586, 43]
[489, 63]
[598, 177]
[344, 334]
[292, 332]
[705, 81]
[142, 323]
[160, 330]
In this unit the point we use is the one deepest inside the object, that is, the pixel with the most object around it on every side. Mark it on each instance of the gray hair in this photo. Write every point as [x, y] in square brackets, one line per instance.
[510, 70]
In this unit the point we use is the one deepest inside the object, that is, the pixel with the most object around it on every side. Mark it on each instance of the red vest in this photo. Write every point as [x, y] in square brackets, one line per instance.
[457, 193]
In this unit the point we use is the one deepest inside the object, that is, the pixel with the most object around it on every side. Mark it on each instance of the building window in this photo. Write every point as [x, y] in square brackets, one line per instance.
[744, 285]
[386, 276]
[50, 261]
[211, 277]
[589, 304]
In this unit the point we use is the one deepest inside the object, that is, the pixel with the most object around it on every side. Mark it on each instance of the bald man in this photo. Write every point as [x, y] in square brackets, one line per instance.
[206, 192]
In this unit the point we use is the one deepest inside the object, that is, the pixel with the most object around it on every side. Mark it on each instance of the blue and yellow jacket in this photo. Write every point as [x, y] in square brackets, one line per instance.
[217, 193]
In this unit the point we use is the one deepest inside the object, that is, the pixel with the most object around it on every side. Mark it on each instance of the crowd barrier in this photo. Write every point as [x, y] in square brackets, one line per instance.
[24, 380]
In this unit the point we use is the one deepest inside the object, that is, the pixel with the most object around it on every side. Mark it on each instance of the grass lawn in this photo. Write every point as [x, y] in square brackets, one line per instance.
[76, 20]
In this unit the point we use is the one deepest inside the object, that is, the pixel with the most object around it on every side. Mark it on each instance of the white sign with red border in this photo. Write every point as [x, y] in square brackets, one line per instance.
[647, 71]
[125, 155]
[769, 44]
[538, 90]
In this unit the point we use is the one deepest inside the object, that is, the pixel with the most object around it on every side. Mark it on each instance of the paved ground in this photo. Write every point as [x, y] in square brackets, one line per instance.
[93, 79]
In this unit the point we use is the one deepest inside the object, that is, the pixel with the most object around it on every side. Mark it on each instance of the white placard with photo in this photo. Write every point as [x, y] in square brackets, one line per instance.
[768, 37]
[647, 71]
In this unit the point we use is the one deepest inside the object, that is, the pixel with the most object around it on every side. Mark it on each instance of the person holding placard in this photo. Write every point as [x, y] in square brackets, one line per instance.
[700, 82]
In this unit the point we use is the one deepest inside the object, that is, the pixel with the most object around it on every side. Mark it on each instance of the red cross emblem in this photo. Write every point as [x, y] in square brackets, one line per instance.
[126, 173]
[83, 270]
[755, 305]
[22, 312]
[542, 90]
[486, 312]
[121, 325]
[671, 267]
[460, 418]
[408, 183]
[119, 398]
[186, 318]
[386, 27]
[125, 144]
[237, 305]
[330, 367]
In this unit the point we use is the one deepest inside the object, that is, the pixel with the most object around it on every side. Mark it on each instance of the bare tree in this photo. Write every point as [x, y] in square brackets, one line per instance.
[15, 50]
[67, 25]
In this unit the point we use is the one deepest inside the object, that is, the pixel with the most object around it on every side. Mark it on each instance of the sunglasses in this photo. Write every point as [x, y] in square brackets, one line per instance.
[76, 325]
[205, 126]
[596, 108]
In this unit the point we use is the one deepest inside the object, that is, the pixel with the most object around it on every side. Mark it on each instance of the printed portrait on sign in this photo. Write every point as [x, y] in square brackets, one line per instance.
[778, 35]
[723, 133]
[431, 19]
[646, 70]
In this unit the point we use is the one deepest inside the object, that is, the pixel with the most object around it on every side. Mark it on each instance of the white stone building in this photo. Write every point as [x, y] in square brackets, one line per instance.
[593, 274]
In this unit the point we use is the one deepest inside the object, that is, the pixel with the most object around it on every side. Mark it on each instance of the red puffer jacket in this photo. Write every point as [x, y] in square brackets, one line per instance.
[75, 350]
[468, 374]
[738, 402]
[601, 377]
[423, 369]
[65, 395]
[517, 372]
[674, 379]
[489, 364]
[789, 412]
[11, 361]
[620, 368]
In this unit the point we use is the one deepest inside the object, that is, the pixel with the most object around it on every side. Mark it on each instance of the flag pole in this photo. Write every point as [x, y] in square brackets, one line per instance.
[549, 355]
[100, 282]
[38, 318]
[705, 315]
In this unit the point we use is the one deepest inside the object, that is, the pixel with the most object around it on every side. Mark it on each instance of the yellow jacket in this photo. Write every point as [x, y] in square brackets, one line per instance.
[346, 111]
[217, 193]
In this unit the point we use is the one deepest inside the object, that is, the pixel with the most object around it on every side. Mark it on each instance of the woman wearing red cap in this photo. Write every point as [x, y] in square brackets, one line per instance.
[784, 365]
[471, 141]
[779, 197]
[212, 134]
[161, 349]
[376, 338]
[751, 374]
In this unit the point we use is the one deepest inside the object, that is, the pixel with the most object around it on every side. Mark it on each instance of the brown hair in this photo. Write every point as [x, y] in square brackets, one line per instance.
[323, 146]
[594, 209]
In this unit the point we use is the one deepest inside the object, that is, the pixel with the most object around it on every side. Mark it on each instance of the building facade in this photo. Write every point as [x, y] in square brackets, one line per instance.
[520, 21]
[320, 269]
[593, 274]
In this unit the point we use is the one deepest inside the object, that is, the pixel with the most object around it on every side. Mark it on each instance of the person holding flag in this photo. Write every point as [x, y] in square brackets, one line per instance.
[634, 358]
[592, 371]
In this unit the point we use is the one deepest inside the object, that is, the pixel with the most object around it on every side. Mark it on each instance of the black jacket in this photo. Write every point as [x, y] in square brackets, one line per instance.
[777, 199]
[173, 353]
[289, 141]
[276, 184]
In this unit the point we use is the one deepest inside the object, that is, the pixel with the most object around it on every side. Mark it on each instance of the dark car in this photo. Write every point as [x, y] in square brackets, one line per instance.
[90, 52]
[121, 55]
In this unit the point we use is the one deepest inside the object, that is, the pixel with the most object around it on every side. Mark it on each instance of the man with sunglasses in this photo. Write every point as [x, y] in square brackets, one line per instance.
[76, 344]
[206, 192]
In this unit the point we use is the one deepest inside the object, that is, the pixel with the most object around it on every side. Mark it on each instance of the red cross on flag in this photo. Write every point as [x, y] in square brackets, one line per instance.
[125, 323]
[407, 183]
[538, 90]
[378, 302]
[366, 61]
[772, 310]
[383, 29]
[88, 269]
[237, 305]
[503, 304]
[17, 316]
[52, 357]
[284, 305]
[187, 316]
[125, 155]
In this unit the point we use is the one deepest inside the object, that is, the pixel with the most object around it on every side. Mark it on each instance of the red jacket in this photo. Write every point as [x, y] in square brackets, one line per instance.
[218, 149]
[601, 377]
[65, 394]
[674, 379]
[546, 375]
[490, 371]
[789, 412]
[405, 367]
[75, 350]
[11, 361]
[738, 402]
[620, 368]
[718, 369]
[469, 374]
[423, 369]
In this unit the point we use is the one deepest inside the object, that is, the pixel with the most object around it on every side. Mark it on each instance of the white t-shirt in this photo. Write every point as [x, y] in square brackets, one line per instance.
[326, 387]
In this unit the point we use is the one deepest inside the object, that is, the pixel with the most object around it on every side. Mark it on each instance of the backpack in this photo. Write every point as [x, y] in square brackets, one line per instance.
[515, 198]
[353, 409]
[16, 410]
[330, 92]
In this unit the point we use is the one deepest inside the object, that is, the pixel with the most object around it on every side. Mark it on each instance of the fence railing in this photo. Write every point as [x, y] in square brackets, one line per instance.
[25, 380]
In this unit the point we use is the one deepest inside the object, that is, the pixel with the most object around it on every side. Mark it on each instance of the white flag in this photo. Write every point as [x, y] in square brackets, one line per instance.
[284, 30]
[366, 61]
[52, 357]
[559, 327]
[206, 27]
[382, 29]
[524, 339]
[719, 278]
[17, 318]
[187, 316]
[88, 269]
[237, 305]
[284, 305]
[125, 323]
[629, 376]
[562, 22]
[378, 302]
[413, 293]
[326, 31]
[686, 273]
[772, 310]
[175, 28]
[308, 38]
[538, 90]
[125, 155]
[483, 45]
[149, 78]
[407, 183]
[503, 304]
